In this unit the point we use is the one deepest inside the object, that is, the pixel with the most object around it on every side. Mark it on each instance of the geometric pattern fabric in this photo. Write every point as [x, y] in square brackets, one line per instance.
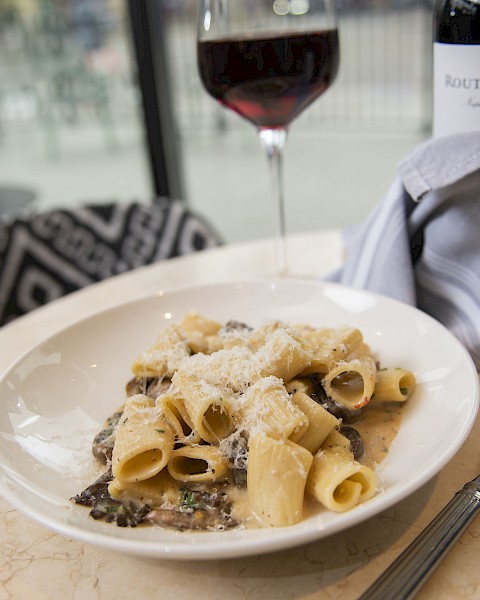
[48, 255]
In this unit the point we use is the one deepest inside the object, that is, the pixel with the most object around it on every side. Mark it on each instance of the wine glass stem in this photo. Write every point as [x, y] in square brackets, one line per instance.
[273, 142]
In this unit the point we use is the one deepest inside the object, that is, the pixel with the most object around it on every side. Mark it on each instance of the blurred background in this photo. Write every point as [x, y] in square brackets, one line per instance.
[100, 101]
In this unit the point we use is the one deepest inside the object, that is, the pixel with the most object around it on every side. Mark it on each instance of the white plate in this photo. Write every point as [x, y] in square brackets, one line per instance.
[56, 397]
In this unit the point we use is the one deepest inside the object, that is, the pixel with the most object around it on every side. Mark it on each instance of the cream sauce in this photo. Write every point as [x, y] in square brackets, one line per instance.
[378, 427]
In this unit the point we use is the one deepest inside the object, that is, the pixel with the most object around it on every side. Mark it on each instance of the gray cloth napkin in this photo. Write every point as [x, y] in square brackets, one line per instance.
[421, 244]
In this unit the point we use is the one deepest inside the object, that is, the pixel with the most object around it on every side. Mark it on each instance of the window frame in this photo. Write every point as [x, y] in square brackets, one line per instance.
[153, 79]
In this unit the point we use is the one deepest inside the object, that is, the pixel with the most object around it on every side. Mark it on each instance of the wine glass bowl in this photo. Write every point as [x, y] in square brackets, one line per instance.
[268, 61]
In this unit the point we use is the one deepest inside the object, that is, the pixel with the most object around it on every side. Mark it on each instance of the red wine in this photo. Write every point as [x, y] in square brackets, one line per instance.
[456, 66]
[269, 81]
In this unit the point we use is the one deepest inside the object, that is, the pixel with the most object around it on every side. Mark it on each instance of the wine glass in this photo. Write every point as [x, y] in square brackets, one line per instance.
[267, 61]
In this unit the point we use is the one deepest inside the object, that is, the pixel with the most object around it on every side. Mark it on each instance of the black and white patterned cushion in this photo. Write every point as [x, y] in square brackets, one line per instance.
[48, 255]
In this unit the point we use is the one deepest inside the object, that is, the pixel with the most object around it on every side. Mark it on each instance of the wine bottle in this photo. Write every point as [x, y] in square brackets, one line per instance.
[456, 66]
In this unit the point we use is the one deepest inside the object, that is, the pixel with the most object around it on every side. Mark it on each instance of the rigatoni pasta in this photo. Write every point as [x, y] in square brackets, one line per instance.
[394, 385]
[320, 422]
[173, 408]
[351, 383]
[207, 408]
[229, 426]
[198, 463]
[280, 465]
[144, 441]
[266, 406]
[338, 481]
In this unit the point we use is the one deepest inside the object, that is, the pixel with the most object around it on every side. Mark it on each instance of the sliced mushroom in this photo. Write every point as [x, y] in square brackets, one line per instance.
[150, 386]
[198, 509]
[320, 396]
[103, 442]
[355, 439]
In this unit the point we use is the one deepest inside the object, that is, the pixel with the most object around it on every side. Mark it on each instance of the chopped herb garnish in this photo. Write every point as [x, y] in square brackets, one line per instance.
[160, 430]
[404, 391]
[191, 499]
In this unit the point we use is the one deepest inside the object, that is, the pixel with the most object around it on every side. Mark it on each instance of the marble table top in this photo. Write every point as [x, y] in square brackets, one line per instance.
[37, 563]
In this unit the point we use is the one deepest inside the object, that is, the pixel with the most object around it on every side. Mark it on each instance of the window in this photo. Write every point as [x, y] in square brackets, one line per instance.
[88, 116]
[71, 127]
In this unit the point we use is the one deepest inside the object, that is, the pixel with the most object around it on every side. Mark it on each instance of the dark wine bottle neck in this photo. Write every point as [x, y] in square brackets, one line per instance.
[457, 22]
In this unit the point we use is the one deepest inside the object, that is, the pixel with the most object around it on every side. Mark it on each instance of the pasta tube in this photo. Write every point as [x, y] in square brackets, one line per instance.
[333, 345]
[199, 330]
[320, 422]
[339, 482]
[394, 385]
[284, 355]
[164, 357]
[258, 336]
[143, 441]
[266, 406]
[208, 410]
[177, 416]
[276, 477]
[299, 385]
[195, 322]
[198, 464]
[351, 384]
[154, 491]
[336, 439]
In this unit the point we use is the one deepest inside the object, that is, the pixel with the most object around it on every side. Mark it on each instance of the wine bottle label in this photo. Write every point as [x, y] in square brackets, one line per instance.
[456, 88]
